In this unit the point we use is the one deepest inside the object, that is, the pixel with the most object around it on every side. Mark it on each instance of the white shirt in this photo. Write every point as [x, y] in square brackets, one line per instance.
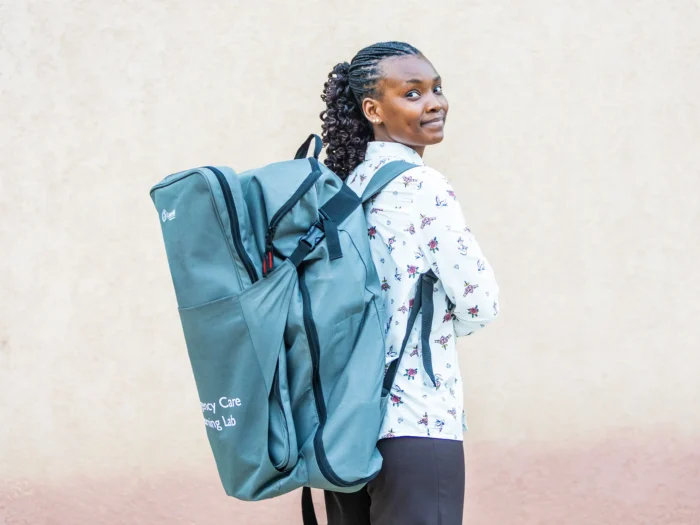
[416, 224]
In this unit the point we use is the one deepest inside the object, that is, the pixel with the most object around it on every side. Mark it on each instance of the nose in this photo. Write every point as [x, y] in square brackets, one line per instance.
[433, 104]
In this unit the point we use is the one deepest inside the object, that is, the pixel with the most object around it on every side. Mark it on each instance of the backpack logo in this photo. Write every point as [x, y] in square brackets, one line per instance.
[167, 215]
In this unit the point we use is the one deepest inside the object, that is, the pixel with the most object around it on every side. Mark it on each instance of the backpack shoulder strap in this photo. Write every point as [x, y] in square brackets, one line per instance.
[342, 204]
[384, 176]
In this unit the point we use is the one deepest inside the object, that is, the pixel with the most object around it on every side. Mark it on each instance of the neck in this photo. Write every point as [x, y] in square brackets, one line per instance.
[418, 149]
[379, 136]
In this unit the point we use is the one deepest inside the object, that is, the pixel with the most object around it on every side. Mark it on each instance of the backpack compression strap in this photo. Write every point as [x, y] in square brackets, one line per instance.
[339, 207]
[423, 299]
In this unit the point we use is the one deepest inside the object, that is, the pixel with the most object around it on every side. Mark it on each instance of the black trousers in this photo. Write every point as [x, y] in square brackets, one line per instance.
[421, 483]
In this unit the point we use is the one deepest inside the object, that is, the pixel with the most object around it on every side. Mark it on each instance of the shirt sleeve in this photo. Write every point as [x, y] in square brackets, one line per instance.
[451, 250]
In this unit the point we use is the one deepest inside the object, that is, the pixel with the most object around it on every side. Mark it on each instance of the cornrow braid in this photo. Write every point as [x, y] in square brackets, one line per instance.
[346, 130]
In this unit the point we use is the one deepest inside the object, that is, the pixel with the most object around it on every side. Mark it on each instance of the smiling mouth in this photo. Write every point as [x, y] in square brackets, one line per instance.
[433, 121]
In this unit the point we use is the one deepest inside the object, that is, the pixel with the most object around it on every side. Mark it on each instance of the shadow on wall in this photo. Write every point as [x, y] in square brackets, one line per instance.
[626, 480]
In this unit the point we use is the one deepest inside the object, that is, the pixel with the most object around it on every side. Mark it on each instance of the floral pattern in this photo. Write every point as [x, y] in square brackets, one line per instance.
[469, 288]
[422, 227]
[396, 400]
[433, 245]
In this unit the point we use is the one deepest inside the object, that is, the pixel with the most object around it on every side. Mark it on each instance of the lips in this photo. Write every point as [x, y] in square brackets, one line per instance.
[434, 121]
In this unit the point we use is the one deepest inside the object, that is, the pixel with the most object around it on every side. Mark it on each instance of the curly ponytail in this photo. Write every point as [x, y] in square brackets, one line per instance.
[346, 130]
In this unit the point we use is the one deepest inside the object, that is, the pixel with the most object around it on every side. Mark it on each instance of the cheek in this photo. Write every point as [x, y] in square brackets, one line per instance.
[411, 117]
[405, 115]
[403, 121]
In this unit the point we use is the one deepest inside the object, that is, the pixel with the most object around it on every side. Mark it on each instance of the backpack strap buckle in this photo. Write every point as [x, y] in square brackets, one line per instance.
[313, 236]
[307, 243]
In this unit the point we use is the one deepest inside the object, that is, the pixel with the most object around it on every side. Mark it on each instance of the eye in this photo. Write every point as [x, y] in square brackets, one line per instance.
[438, 90]
[410, 93]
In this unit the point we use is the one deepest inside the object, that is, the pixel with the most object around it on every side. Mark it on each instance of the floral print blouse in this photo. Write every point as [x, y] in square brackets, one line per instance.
[416, 224]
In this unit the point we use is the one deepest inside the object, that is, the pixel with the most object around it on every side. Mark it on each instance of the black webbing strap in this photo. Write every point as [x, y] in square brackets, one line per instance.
[308, 515]
[304, 148]
[336, 210]
[330, 228]
[423, 299]
[340, 207]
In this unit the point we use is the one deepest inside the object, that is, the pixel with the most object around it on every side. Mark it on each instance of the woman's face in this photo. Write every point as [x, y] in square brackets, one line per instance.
[411, 108]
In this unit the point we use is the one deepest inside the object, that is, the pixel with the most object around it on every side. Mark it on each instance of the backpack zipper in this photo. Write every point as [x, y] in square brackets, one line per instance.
[314, 348]
[235, 229]
[284, 209]
[278, 397]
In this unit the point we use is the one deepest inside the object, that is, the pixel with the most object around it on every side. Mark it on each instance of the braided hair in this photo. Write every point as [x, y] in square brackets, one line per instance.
[346, 130]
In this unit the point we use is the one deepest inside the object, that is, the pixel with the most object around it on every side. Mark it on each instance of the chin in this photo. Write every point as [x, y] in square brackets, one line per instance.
[435, 138]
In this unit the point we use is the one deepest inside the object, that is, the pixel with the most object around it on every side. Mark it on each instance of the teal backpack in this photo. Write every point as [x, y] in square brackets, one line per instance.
[280, 306]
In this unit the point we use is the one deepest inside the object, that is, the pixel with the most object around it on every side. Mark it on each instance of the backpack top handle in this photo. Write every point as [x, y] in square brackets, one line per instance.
[303, 150]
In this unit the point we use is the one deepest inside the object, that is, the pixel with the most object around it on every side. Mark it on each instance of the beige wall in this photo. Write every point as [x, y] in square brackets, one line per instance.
[574, 145]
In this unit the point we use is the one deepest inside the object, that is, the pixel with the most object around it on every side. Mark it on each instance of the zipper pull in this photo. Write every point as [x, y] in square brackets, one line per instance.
[268, 262]
[267, 258]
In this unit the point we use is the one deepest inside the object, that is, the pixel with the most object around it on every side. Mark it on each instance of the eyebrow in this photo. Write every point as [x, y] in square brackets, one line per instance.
[417, 81]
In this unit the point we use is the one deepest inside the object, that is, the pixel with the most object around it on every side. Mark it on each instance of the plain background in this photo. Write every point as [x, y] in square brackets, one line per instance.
[574, 146]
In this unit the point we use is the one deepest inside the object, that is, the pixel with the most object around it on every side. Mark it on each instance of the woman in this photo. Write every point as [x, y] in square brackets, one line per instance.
[386, 105]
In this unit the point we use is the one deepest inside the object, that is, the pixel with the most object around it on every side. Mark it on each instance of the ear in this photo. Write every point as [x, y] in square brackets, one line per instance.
[372, 110]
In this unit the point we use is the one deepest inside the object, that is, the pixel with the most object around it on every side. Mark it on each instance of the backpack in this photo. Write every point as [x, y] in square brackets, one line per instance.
[280, 306]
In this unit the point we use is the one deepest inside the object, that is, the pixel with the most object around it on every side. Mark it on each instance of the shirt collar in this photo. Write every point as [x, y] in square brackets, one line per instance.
[378, 149]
